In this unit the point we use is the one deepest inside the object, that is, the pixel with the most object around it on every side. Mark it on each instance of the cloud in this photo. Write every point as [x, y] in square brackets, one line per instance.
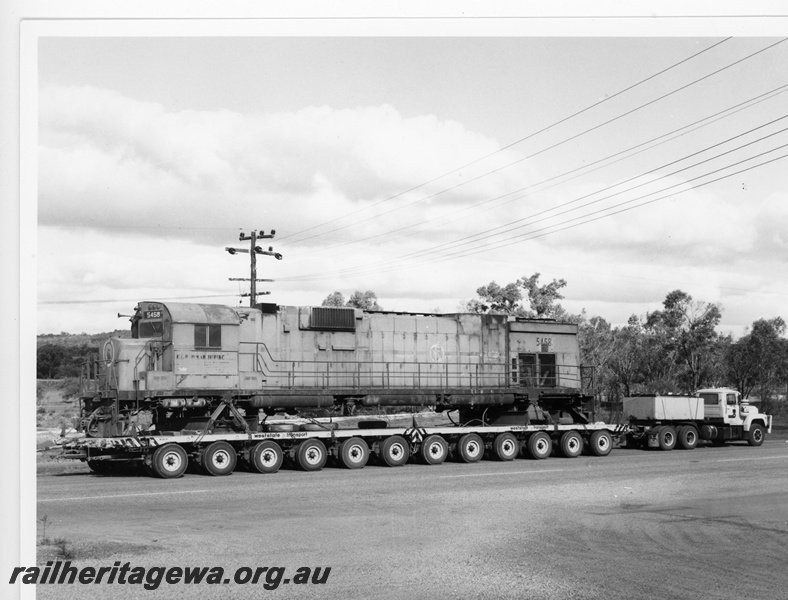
[137, 201]
[106, 160]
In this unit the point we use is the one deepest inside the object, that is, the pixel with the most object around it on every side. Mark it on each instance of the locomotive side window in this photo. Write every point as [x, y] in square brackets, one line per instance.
[207, 336]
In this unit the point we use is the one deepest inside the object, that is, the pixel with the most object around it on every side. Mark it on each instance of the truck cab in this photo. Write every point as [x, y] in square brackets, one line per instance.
[738, 418]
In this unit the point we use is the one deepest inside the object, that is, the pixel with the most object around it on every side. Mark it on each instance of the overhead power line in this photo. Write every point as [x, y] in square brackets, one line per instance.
[539, 152]
[499, 150]
[407, 262]
[563, 178]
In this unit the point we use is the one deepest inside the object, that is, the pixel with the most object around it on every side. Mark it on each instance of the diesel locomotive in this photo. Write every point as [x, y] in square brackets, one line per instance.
[209, 367]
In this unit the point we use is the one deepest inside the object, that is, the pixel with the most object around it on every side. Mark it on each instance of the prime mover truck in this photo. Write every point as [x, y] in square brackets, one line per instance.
[717, 415]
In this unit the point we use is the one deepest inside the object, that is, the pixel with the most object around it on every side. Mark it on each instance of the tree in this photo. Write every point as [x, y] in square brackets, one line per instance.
[595, 339]
[496, 299]
[686, 328]
[542, 300]
[336, 299]
[758, 361]
[49, 357]
[364, 300]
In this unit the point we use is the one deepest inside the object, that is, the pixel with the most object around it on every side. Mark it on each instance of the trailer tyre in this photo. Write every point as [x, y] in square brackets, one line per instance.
[354, 453]
[687, 437]
[506, 446]
[667, 438]
[470, 448]
[756, 434]
[394, 451]
[266, 457]
[311, 455]
[434, 450]
[601, 443]
[540, 446]
[571, 444]
[169, 461]
[219, 459]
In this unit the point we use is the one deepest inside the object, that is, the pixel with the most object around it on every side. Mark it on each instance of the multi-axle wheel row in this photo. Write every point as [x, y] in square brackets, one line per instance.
[221, 458]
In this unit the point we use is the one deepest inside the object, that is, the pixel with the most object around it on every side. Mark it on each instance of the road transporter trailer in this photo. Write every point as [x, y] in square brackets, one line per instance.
[311, 445]
[661, 422]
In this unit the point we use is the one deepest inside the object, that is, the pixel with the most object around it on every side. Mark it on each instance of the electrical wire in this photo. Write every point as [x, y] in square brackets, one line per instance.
[537, 153]
[490, 233]
[563, 177]
[555, 228]
[499, 150]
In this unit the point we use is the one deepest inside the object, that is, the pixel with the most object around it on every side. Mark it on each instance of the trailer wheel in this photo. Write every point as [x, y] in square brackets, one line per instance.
[756, 434]
[267, 457]
[169, 461]
[506, 446]
[470, 447]
[667, 438]
[571, 444]
[434, 450]
[218, 459]
[601, 443]
[540, 445]
[687, 437]
[394, 451]
[354, 453]
[311, 455]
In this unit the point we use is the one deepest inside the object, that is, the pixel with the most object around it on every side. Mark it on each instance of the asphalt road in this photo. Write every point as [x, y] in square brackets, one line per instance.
[709, 523]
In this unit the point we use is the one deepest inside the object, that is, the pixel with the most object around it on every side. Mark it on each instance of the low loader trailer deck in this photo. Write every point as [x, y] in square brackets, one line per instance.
[311, 445]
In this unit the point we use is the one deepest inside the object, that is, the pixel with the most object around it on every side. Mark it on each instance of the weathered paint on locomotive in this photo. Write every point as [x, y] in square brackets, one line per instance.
[285, 357]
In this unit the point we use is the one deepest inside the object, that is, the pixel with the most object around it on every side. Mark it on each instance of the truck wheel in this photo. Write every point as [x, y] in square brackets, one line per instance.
[470, 448]
[266, 457]
[506, 446]
[311, 455]
[394, 451]
[756, 434]
[354, 453]
[687, 437]
[218, 459]
[667, 438]
[169, 461]
[571, 444]
[601, 443]
[434, 450]
[540, 445]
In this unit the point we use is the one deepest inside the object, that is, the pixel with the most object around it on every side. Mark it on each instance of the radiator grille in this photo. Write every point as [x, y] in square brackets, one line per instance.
[335, 319]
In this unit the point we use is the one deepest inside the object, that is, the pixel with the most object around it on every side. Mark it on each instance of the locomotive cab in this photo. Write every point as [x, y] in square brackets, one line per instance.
[180, 356]
[189, 348]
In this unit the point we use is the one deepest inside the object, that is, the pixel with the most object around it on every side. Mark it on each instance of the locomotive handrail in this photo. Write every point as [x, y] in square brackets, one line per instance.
[378, 374]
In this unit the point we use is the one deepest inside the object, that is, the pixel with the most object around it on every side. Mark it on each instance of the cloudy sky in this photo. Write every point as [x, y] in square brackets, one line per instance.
[419, 167]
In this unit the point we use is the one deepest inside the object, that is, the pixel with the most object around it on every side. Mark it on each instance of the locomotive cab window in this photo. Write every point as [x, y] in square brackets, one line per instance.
[147, 324]
[207, 336]
[149, 329]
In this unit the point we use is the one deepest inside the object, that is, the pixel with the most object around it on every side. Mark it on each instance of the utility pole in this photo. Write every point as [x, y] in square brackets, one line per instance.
[253, 251]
